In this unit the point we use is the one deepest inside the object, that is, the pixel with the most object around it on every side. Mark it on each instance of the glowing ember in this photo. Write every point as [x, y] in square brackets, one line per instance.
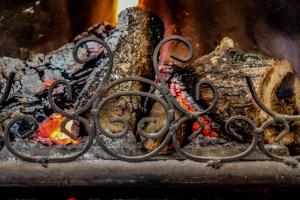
[49, 132]
[47, 83]
[179, 91]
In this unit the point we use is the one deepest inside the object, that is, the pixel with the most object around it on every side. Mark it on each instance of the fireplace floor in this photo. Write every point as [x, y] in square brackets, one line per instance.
[108, 173]
[96, 168]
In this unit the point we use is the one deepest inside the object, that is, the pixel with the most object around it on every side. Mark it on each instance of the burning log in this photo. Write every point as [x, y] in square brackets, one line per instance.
[157, 112]
[210, 133]
[132, 43]
[273, 81]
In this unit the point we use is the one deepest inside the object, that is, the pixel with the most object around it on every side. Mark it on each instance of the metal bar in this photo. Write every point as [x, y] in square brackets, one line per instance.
[147, 174]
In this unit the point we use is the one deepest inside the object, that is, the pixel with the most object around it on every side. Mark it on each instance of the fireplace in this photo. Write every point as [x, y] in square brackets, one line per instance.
[138, 100]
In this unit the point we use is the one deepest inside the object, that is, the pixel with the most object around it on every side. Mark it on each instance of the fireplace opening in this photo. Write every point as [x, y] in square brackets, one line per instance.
[94, 81]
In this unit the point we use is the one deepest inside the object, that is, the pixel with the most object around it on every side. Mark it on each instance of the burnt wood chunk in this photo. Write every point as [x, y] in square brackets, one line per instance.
[33, 79]
[35, 76]
[274, 82]
[132, 43]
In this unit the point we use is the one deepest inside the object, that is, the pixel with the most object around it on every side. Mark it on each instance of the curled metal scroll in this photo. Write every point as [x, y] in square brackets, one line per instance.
[240, 156]
[168, 102]
[163, 132]
[68, 86]
[276, 118]
[4, 97]
[45, 160]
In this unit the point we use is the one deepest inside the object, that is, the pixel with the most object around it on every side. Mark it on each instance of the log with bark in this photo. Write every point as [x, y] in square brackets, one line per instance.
[132, 43]
[274, 82]
[158, 113]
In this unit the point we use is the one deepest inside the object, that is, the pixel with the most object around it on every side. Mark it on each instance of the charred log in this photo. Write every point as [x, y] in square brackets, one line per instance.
[273, 80]
[132, 43]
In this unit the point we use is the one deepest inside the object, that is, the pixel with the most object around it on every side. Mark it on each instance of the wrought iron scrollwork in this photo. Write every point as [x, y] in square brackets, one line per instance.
[8, 87]
[168, 102]
[4, 97]
[276, 118]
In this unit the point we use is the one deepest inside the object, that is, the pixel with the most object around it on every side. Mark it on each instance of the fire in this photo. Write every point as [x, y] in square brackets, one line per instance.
[108, 10]
[178, 90]
[49, 131]
[47, 83]
[207, 131]
[123, 4]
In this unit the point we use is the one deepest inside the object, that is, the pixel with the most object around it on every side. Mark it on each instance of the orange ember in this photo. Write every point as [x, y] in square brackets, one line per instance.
[207, 123]
[49, 131]
[47, 83]
[185, 104]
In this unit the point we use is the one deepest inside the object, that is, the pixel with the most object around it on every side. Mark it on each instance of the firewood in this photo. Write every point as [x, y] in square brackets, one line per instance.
[226, 68]
[158, 113]
[132, 43]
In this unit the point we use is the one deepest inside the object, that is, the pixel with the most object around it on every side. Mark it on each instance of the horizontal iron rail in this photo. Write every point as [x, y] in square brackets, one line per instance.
[171, 173]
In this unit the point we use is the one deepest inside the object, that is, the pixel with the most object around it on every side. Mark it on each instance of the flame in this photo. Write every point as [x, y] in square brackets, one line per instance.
[49, 131]
[108, 10]
[123, 4]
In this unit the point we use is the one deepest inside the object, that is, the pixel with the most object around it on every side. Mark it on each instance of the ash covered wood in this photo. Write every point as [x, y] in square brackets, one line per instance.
[100, 30]
[226, 68]
[132, 42]
[35, 76]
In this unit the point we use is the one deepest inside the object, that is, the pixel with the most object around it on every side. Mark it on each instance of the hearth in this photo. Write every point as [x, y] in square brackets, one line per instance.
[132, 93]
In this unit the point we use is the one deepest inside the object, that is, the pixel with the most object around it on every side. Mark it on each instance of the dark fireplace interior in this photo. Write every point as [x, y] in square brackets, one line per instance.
[268, 27]
[87, 87]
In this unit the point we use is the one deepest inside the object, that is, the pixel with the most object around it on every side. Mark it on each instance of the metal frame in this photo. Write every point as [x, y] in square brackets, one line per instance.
[167, 101]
